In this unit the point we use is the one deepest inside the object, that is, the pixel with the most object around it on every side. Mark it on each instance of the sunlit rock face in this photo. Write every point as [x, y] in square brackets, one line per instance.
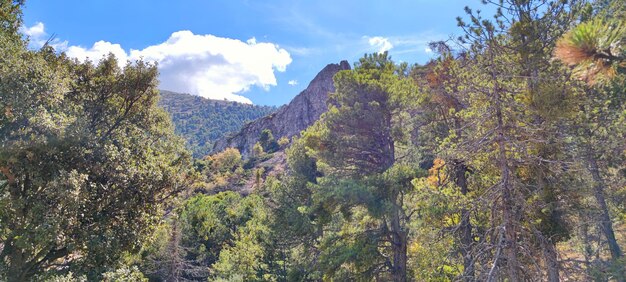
[290, 119]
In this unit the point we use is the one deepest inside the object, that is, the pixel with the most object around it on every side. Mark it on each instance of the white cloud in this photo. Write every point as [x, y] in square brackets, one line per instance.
[404, 44]
[38, 37]
[205, 65]
[215, 67]
[99, 50]
[301, 51]
[293, 82]
[381, 43]
[36, 30]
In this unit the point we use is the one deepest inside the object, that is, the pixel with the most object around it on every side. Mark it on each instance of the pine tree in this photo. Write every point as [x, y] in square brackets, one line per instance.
[355, 145]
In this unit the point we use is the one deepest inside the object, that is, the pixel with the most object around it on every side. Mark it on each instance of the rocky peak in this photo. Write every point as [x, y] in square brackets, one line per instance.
[290, 119]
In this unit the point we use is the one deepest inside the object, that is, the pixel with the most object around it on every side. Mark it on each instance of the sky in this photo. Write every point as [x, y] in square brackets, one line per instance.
[253, 51]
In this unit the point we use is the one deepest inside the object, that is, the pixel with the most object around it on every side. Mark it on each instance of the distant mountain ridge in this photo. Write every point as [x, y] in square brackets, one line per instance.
[291, 119]
[202, 121]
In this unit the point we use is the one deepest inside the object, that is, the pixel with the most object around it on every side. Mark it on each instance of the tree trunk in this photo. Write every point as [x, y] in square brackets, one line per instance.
[549, 256]
[546, 242]
[605, 219]
[552, 261]
[508, 214]
[15, 275]
[16, 271]
[606, 225]
[399, 247]
[399, 235]
[17, 258]
[510, 234]
[588, 250]
[175, 261]
[465, 227]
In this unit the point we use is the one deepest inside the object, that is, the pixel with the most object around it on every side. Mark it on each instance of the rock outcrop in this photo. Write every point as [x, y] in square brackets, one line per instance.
[290, 119]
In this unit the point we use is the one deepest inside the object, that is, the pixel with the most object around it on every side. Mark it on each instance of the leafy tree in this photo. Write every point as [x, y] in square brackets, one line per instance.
[227, 161]
[525, 160]
[440, 82]
[283, 142]
[515, 124]
[224, 169]
[257, 150]
[125, 274]
[223, 236]
[87, 159]
[245, 257]
[11, 19]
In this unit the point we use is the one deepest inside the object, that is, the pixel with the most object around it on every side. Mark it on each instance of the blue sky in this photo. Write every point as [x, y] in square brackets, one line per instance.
[264, 52]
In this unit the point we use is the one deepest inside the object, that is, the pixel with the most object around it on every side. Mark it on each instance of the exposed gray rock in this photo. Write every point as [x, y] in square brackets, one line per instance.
[290, 119]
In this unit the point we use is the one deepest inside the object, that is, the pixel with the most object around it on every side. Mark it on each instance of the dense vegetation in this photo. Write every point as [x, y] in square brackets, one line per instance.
[503, 159]
[87, 162]
[202, 121]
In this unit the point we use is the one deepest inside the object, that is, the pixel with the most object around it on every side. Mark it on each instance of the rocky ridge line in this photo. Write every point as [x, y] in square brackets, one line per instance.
[291, 119]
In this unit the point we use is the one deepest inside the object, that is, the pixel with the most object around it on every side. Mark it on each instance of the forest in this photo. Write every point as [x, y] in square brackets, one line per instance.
[501, 159]
[202, 121]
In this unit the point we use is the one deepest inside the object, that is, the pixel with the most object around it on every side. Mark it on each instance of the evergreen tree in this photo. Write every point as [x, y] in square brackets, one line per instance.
[267, 141]
[595, 48]
[355, 146]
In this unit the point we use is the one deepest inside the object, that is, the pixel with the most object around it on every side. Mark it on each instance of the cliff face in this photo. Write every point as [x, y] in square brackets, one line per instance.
[290, 119]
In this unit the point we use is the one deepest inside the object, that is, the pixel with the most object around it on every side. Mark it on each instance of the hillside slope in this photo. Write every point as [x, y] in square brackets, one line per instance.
[202, 121]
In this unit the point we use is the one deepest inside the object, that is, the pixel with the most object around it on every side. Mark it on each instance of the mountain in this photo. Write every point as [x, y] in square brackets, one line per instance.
[290, 119]
[202, 121]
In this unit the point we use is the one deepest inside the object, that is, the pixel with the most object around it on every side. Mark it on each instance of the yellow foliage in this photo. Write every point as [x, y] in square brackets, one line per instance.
[437, 174]
[283, 141]
[225, 161]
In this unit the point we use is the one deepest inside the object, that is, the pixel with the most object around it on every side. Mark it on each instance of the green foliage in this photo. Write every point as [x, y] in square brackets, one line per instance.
[358, 197]
[87, 162]
[595, 48]
[267, 141]
[207, 222]
[283, 142]
[257, 150]
[523, 161]
[526, 176]
[125, 274]
[223, 236]
[161, 255]
[294, 229]
[122, 274]
[227, 161]
[224, 169]
[10, 18]
[358, 135]
[245, 257]
[70, 277]
[202, 121]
